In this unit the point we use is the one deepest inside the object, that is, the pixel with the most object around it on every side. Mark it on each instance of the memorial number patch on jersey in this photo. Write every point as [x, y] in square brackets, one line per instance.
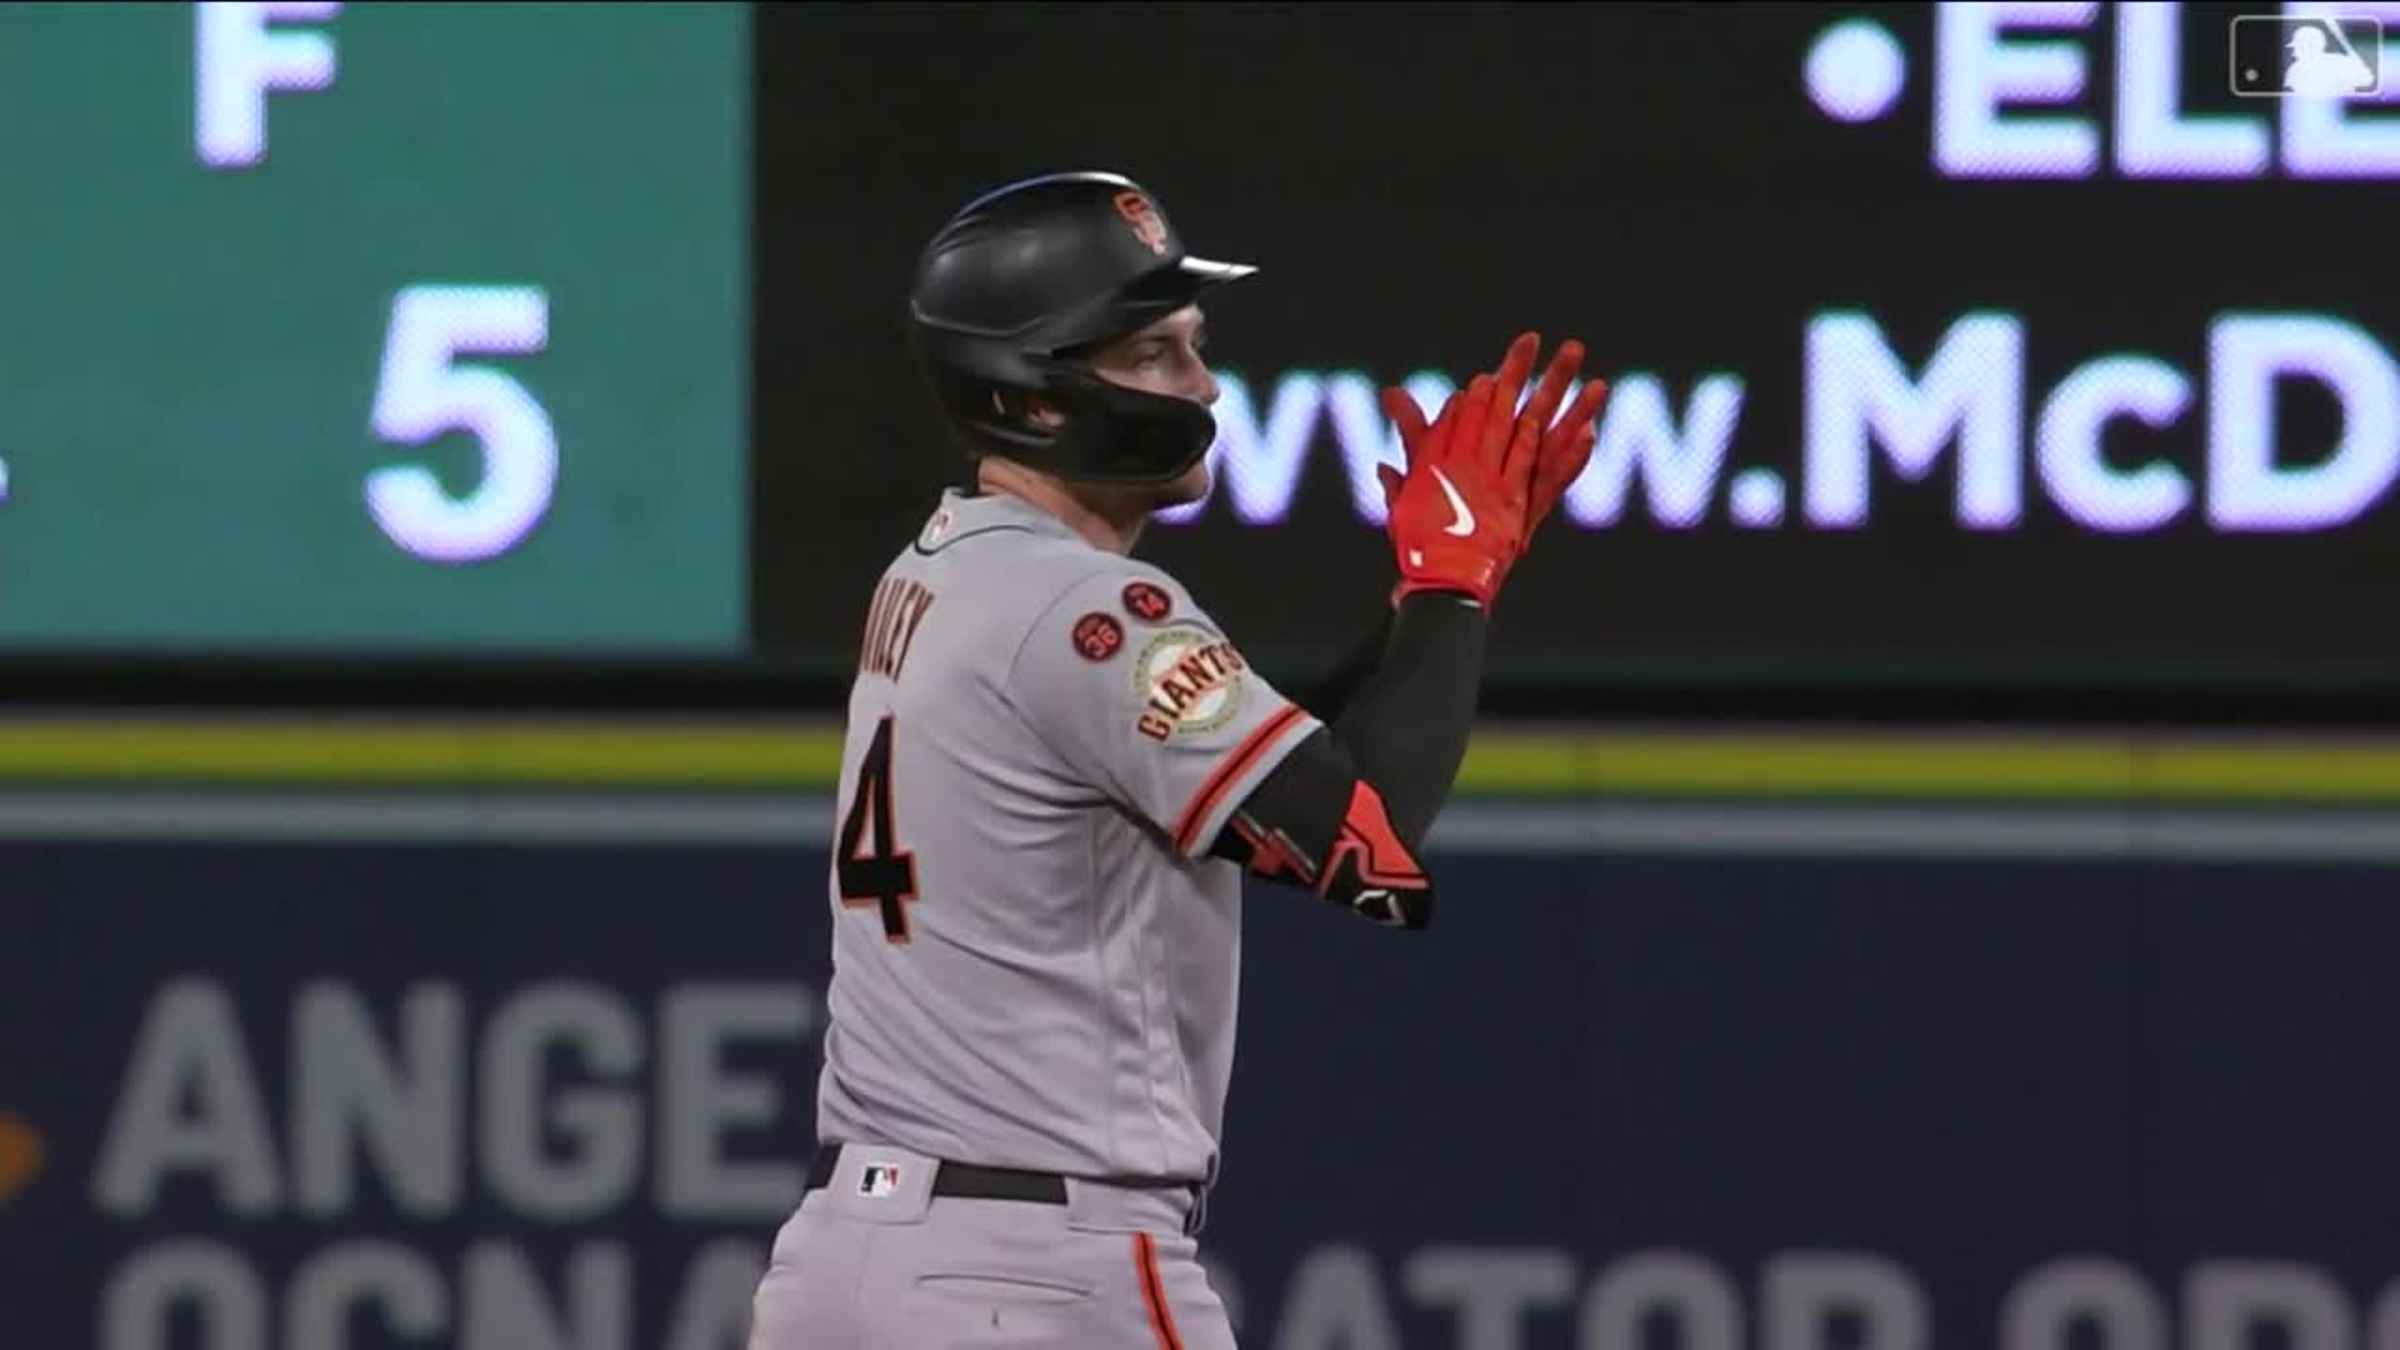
[1189, 682]
[1097, 636]
[886, 877]
[1147, 602]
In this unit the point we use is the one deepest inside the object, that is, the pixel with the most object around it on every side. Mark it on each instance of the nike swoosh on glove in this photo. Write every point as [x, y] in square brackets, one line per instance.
[1462, 517]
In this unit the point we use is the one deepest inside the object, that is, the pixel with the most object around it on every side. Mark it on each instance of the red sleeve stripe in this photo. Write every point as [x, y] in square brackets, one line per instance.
[1237, 762]
[1154, 1292]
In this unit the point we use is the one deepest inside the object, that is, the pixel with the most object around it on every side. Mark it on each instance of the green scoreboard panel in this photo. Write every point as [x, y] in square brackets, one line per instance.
[374, 326]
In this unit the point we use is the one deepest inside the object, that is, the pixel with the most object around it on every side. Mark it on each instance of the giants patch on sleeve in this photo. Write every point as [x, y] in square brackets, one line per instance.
[1189, 682]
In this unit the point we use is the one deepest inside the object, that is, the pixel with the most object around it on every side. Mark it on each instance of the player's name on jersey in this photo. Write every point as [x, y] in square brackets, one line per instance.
[892, 621]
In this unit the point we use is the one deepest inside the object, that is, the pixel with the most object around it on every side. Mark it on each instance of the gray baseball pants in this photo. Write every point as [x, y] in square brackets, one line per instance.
[875, 1261]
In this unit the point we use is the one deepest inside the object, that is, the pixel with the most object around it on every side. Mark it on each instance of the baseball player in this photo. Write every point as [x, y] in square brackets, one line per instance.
[1058, 767]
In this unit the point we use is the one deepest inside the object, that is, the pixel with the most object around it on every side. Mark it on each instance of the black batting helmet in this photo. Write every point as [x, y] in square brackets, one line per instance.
[1024, 275]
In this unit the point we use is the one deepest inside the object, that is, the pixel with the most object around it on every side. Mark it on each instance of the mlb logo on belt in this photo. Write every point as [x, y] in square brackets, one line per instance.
[879, 1181]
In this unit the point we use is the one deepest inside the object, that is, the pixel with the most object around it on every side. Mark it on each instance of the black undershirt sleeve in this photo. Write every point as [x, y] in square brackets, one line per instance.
[1331, 696]
[1346, 811]
[1406, 727]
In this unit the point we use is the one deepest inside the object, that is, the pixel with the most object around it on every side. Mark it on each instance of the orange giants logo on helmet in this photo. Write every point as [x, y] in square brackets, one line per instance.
[1148, 225]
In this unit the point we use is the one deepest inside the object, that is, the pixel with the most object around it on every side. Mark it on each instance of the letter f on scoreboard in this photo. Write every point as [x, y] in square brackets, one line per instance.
[236, 59]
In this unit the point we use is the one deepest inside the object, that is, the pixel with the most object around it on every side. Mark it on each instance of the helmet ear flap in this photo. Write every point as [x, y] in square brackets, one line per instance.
[1123, 435]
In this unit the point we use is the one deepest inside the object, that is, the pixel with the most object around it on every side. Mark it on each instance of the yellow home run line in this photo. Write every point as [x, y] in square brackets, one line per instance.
[1928, 765]
[795, 756]
[431, 751]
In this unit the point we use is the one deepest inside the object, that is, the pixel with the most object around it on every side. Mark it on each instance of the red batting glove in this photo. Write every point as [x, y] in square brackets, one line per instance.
[1538, 460]
[1458, 516]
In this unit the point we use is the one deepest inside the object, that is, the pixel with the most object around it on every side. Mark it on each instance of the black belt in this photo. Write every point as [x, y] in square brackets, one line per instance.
[962, 1181]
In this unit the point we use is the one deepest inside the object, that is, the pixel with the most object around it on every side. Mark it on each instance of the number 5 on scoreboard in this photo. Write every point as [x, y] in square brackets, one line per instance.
[421, 395]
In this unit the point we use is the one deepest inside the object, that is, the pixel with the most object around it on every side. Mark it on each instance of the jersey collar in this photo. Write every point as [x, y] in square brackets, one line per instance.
[962, 513]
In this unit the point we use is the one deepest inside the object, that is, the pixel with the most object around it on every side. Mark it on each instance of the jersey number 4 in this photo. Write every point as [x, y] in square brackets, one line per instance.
[887, 877]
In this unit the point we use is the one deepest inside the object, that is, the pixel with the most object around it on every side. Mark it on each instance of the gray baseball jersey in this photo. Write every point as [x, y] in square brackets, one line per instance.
[1035, 962]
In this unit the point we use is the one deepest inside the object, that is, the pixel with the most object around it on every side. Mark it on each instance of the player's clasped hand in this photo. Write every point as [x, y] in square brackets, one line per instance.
[1485, 474]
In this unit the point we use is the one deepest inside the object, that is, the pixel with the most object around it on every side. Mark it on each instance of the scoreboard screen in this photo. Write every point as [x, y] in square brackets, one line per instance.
[2053, 344]
[374, 326]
